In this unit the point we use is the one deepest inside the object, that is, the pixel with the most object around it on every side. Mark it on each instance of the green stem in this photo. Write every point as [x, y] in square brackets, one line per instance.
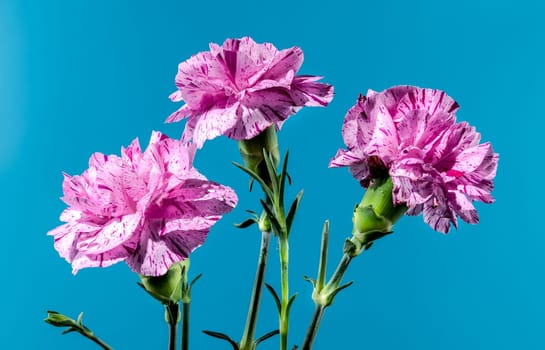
[97, 340]
[284, 285]
[172, 311]
[335, 280]
[185, 325]
[247, 342]
[333, 284]
[319, 311]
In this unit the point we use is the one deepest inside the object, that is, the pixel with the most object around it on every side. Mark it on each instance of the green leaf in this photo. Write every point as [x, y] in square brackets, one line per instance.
[69, 330]
[291, 302]
[266, 336]
[80, 319]
[283, 173]
[311, 280]
[223, 337]
[275, 296]
[336, 291]
[272, 218]
[293, 210]
[271, 170]
[254, 175]
[246, 223]
[320, 281]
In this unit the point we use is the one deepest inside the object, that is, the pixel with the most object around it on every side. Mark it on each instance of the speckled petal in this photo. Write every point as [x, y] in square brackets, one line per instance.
[110, 235]
[241, 88]
[214, 122]
[156, 253]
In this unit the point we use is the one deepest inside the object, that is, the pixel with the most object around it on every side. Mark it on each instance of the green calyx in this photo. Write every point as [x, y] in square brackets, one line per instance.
[374, 217]
[251, 151]
[168, 288]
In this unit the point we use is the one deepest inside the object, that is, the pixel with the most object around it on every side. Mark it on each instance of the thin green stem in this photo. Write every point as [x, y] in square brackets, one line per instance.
[97, 340]
[332, 285]
[247, 342]
[185, 325]
[284, 285]
[337, 276]
[319, 311]
[172, 311]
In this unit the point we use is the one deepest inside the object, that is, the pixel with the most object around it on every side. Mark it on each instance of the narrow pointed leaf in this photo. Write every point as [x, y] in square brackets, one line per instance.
[272, 218]
[283, 173]
[222, 337]
[246, 223]
[292, 299]
[194, 281]
[311, 280]
[336, 291]
[271, 170]
[293, 210]
[254, 175]
[80, 319]
[320, 281]
[69, 330]
[266, 336]
[275, 296]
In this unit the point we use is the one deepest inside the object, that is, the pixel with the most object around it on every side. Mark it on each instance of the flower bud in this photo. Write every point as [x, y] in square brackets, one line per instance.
[252, 151]
[59, 320]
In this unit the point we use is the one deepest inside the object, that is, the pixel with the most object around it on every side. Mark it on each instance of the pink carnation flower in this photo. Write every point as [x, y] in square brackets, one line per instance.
[241, 88]
[151, 208]
[437, 166]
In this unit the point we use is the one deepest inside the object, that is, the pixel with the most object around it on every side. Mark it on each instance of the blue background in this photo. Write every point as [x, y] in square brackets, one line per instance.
[83, 76]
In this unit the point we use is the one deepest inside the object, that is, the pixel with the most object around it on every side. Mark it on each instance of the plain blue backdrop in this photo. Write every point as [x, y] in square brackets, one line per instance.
[83, 76]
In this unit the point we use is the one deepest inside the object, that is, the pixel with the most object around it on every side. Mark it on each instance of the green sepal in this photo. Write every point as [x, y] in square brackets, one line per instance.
[167, 288]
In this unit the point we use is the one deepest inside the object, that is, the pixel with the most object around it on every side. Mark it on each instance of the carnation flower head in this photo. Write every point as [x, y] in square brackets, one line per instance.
[150, 209]
[241, 88]
[438, 166]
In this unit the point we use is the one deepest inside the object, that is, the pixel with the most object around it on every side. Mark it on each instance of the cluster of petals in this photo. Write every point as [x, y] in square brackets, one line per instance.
[241, 88]
[438, 166]
[150, 209]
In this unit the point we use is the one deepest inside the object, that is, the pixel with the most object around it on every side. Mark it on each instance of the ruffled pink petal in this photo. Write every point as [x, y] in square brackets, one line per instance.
[253, 119]
[475, 193]
[453, 140]
[284, 61]
[241, 88]
[412, 193]
[212, 123]
[119, 253]
[463, 207]
[356, 126]
[114, 233]
[438, 214]
[180, 114]
[194, 198]
[117, 197]
[188, 224]
[435, 102]
[305, 91]
[156, 253]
